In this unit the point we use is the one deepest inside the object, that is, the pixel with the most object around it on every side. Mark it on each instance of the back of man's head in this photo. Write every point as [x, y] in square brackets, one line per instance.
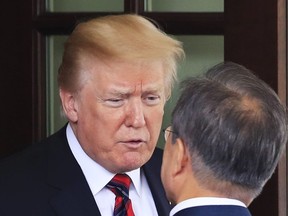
[235, 128]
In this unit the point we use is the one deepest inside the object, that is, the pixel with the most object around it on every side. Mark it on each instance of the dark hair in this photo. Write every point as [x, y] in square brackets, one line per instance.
[233, 124]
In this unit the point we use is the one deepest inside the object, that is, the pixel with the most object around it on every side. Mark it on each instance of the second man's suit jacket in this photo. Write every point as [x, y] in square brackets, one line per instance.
[46, 180]
[214, 210]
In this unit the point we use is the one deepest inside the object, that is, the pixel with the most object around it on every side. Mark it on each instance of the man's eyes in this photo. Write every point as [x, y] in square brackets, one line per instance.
[114, 102]
[149, 100]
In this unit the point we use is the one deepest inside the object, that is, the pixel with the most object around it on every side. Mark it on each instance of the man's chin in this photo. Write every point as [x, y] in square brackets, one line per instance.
[132, 163]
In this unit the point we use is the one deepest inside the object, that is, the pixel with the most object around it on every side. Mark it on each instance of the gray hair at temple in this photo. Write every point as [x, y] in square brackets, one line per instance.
[235, 128]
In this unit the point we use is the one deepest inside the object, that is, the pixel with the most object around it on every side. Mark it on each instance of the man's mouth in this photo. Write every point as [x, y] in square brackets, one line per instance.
[134, 143]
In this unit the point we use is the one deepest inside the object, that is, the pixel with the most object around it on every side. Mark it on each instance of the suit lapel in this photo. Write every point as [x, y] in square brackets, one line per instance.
[152, 171]
[75, 200]
[72, 195]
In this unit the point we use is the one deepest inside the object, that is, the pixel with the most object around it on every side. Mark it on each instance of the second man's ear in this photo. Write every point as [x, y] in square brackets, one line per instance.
[181, 157]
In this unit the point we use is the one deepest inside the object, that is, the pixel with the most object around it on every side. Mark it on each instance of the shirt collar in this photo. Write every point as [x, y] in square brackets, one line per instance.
[204, 201]
[92, 170]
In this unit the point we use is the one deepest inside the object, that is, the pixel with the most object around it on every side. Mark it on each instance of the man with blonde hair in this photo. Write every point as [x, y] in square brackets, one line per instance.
[115, 77]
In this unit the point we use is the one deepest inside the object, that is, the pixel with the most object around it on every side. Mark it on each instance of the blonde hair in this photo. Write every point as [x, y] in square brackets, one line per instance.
[127, 37]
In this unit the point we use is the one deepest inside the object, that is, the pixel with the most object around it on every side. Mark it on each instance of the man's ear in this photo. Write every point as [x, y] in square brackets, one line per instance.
[181, 157]
[69, 105]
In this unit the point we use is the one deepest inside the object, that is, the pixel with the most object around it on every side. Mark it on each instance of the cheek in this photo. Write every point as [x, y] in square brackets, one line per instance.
[165, 162]
[154, 119]
[102, 118]
[165, 174]
[95, 128]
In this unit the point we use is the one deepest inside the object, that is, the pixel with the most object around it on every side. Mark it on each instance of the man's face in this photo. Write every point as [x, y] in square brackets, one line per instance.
[119, 113]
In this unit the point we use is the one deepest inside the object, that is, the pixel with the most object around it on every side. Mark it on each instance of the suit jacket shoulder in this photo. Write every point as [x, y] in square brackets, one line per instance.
[214, 210]
[40, 178]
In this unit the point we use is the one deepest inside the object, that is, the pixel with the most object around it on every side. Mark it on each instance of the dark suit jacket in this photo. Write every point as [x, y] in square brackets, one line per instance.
[46, 180]
[217, 210]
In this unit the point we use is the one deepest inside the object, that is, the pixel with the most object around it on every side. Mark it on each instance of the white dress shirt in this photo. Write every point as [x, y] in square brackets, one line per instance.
[204, 201]
[97, 178]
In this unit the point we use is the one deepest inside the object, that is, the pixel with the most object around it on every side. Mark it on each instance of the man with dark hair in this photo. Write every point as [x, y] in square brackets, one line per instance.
[228, 131]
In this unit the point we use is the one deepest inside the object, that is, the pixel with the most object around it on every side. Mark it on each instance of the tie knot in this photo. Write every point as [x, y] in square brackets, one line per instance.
[120, 184]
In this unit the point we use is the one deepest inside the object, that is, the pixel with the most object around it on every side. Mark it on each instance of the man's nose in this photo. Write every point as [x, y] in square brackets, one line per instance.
[135, 114]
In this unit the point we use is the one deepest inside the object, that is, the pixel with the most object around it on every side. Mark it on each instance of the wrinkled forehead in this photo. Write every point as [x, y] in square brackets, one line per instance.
[138, 87]
[125, 76]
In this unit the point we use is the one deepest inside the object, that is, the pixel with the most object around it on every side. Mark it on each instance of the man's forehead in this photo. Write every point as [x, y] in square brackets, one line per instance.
[140, 87]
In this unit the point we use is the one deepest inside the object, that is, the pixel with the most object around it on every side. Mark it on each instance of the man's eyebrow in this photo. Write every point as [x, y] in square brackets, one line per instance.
[127, 92]
[151, 91]
[154, 88]
[120, 92]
